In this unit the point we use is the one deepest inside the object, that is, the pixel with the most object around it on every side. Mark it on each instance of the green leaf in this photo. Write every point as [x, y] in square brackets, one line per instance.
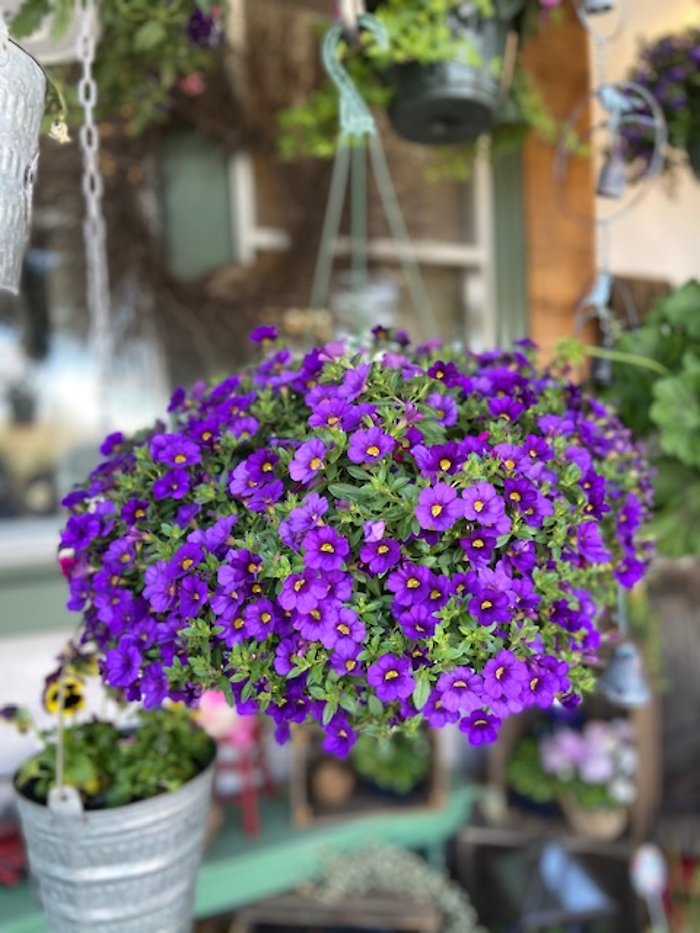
[29, 17]
[682, 308]
[374, 704]
[676, 411]
[349, 493]
[149, 36]
[421, 692]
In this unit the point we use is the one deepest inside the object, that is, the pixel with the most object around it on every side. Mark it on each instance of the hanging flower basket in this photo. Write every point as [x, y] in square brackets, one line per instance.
[361, 538]
[22, 97]
[455, 101]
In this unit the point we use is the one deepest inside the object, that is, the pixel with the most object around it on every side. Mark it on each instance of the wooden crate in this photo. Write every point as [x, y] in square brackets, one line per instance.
[369, 912]
[308, 757]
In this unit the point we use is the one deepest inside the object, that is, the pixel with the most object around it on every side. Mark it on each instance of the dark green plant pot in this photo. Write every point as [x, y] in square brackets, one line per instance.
[450, 102]
[693, 151]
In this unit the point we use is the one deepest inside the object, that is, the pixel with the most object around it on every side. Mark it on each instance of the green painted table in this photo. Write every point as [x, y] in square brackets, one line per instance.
[238, 870]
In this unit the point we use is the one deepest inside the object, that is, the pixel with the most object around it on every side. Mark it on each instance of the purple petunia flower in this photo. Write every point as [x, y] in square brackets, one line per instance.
[505, 678]
[122, 664]
[589, 544]
[479, 546]
[417, 622]
[174, 485]
[174, 450]
[308, 461]
[263, 334]
[391, 678]
[410, 584]
[368, 446]
[193, 596]
[483, 504]
[381, 555]
[340, 737]
[460, 690]
[325, 549]
[303, 591]
[438, 507]
[480, 727]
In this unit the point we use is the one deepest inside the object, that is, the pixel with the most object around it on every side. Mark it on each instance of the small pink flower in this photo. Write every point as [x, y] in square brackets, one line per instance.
[193, 85]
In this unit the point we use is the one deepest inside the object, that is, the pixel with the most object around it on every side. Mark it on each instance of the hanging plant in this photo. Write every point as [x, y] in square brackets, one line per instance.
[148, 49]
[440, 79]
[670, 70]
[365, 539]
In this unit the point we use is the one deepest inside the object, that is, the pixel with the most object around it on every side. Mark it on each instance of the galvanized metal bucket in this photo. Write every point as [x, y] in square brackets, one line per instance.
[22, 98]
[124, 870]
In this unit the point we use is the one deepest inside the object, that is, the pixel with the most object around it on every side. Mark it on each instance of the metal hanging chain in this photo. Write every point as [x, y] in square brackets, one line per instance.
[94, 231]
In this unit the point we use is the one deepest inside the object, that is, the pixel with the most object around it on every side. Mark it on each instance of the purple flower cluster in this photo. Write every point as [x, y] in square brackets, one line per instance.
[670, 71]
[359, 543]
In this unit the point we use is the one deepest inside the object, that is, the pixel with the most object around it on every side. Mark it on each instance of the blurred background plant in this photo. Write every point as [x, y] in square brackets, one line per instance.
[398, 764]
[664, 410]
[669, 69]
[594, 765]
[148, 50]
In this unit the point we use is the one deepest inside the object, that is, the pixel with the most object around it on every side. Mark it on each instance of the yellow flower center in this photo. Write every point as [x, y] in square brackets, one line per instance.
[460, 683]
[332, 420]
[373, 451]
[299, 584]
[265, 618]
[534, 682]
[180, 458]
[139, 513]
[125, 558]
[343, 629]
[500, 671]
[206, 436]
[436, 509]
[486, 604]
[435, 594]
[187, 563]
[315, 614]
[413, 583]
[316, 463]
[478, 543]
[478, 506]
[327, 548]
[350, 664]
[391, 675]
[267, 467]
[445, 464]
[239, 622]
[383, 549]
[510, 464]
[253, 568]
[515, 496]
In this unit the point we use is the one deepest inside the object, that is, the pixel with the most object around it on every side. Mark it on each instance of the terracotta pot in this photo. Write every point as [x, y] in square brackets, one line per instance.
[599, 823]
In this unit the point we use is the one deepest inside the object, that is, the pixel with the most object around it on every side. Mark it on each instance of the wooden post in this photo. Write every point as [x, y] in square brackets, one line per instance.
[560, 250]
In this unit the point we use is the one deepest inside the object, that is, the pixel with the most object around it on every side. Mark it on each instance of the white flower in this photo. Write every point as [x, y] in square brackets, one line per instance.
[622, 790]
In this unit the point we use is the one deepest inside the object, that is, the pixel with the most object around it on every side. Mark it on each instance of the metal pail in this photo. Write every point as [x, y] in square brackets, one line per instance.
[22, 99]
[127, 869]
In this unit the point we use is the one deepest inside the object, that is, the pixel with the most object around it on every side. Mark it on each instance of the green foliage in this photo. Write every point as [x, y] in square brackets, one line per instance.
[664, 409]
[112, 767]
[144, 51]
[398, 763]
[525, 774]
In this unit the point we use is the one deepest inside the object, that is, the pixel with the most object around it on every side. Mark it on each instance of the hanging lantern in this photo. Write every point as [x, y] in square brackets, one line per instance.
[592, 7]
[623, 682]
[22, 96]
[612, 182]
